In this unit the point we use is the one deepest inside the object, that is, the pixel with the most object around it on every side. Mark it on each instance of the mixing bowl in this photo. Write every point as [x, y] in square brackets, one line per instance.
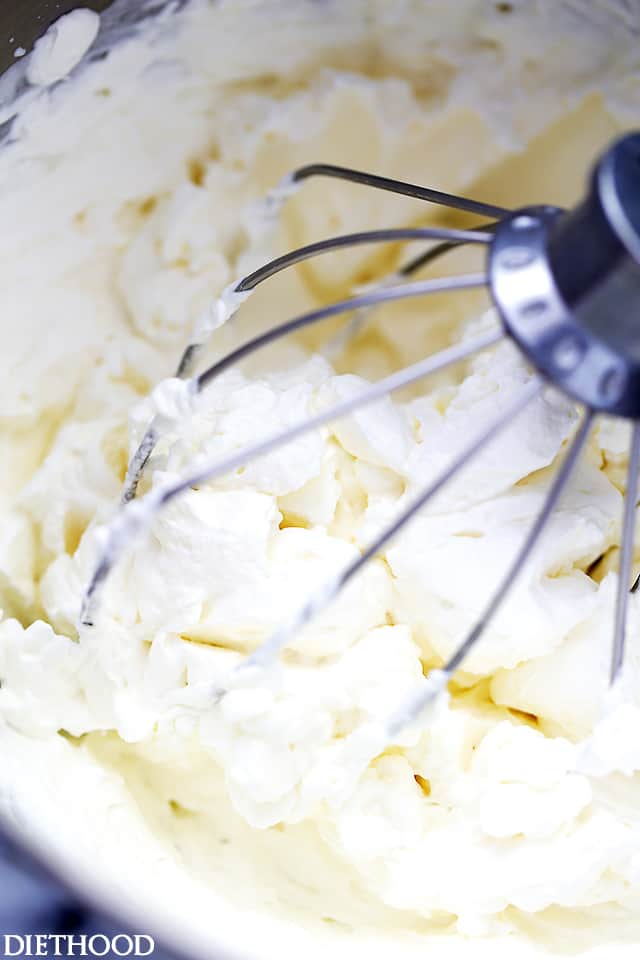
[525, 57]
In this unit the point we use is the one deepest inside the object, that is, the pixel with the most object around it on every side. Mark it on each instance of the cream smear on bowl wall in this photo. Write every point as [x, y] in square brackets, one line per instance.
[509, 824]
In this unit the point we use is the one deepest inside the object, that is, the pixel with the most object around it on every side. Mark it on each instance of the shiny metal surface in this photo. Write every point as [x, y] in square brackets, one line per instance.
[567, 286]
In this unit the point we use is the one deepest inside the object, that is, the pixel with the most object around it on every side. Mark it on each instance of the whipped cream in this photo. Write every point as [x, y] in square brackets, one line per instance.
[62, 47]
[136, 194]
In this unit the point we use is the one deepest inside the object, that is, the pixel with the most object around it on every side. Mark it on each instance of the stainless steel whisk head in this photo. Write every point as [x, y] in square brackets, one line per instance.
[566, 286]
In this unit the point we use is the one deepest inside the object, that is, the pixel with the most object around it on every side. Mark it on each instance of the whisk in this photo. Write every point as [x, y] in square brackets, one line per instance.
[566, 286]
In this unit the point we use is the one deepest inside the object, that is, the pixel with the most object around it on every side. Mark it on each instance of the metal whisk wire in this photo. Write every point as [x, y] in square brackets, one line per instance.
[250, 282]
[274, 202]
[550, 302]
[626, 555]
[268, 651]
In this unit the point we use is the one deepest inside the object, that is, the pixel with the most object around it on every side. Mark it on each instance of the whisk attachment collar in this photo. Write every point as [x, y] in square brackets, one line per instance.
[567, 286]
